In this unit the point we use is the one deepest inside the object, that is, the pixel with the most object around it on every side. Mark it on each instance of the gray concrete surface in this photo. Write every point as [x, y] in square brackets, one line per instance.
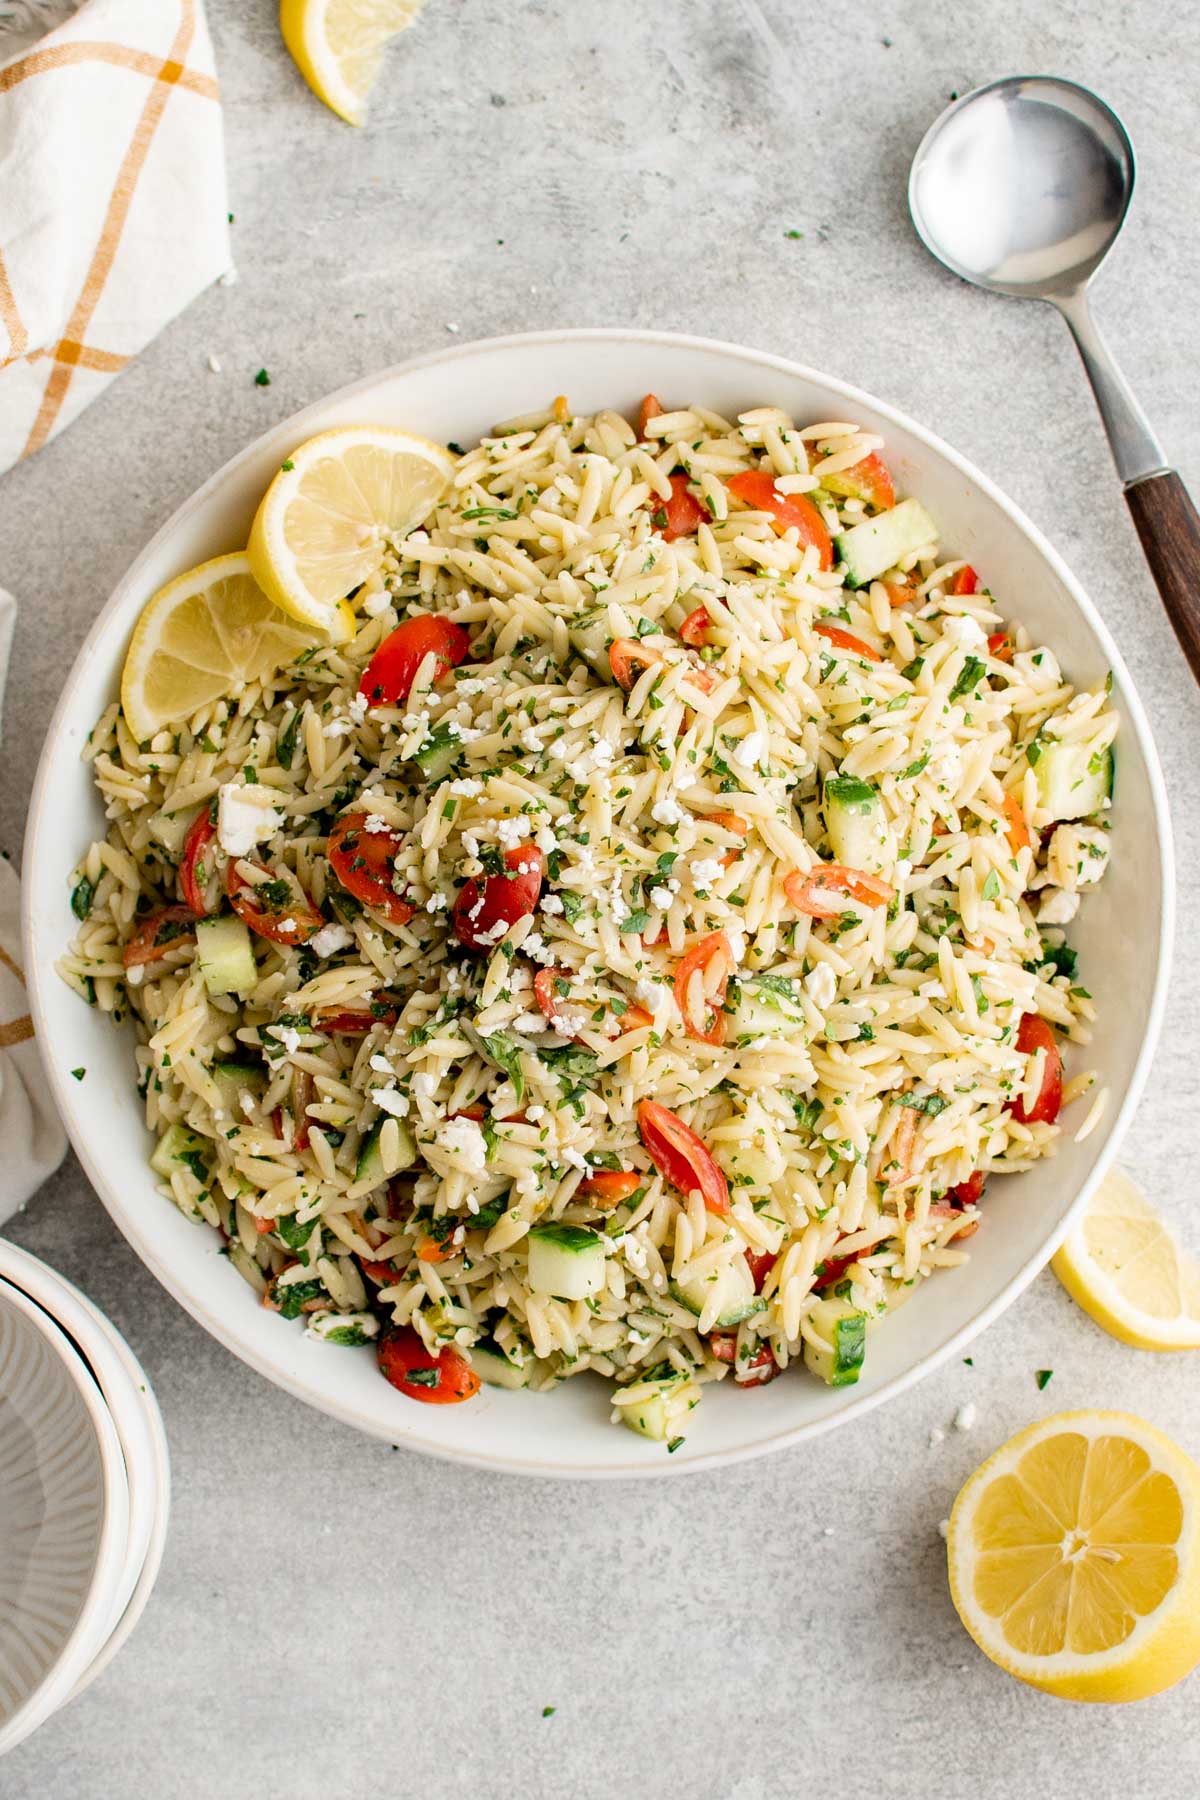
[335, 1618]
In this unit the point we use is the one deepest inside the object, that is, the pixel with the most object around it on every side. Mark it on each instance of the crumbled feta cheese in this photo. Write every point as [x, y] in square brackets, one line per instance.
[535, 1114]
[287, 924]
[602, 753]
[961, 628]
[705, 870]
[288, 1036]
[750, 751]
[903, 869]
[573, 1158]
[1058, 908]
[436, 902]
[424, 1084]
[136, 975]
[376, 823]
[821, 985]
[463, 1139]
[243, 821]
[391, 1100]
[647, 993]
[380, 1064]
[546, 840]
[966, 1416]
[661, 897]
[330, 939]
[374, 604]
[666, 811]
[466, 788]
[530, 740]
[551, 904]
[932, 990]
[946, 767]
[512, 832]
[529, 1021]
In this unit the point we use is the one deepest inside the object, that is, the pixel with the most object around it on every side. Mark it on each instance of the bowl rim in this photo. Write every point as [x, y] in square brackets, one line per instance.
[103, 1345]
[91, 1628]
[1133, 716]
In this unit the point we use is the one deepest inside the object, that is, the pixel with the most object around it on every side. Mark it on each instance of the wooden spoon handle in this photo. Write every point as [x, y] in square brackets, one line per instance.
[1169, 527]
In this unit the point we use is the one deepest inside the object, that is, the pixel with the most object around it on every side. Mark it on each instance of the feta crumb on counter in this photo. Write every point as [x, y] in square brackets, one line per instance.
[966, 1416]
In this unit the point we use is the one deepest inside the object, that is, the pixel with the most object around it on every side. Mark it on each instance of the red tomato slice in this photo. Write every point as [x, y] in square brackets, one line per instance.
[159, 932]
[290, 921]
[199, 874]
[822, 892]
[833, 1269]
[966, 581]
[353, 1023]
[383, 1274]
[388, 677]
[711, 959]
[902, 593]
[869, 480]
[722, 1345]
[694, 630]
[628, 659]
[500, 900]
[681, 514]
[758, 1369]
[1001, 647]
[651, 408]
[608, 1187]
[756, 487]
[730, 821]
[761, 1263]
[1033, 1034]
[968, 1192]
[364, 862]
[1016, 830]
[680, 1156]
[846, 640]
[429, 1250]
[441, 1380]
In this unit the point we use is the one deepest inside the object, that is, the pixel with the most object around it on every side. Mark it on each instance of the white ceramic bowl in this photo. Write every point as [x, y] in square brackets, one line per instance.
[64, 1517]
[130, 1399]
[458, 394]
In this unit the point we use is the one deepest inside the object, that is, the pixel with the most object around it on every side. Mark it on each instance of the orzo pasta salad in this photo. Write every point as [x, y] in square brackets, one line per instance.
[635, 941]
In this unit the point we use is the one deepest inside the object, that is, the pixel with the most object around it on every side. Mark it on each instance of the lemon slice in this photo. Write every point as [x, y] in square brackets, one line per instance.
[327, 517]
[199, 639]
[1124, 1267]
[1073, 1557]
[338, 46]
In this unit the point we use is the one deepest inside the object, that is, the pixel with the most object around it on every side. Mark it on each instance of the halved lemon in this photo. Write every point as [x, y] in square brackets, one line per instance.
[328, 516]
[1074, 1561]
[202, 637]
[1123, 1265]
[338, 46]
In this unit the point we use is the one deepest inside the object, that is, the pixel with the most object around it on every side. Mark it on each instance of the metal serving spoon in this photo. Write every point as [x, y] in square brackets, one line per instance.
[1021, 187]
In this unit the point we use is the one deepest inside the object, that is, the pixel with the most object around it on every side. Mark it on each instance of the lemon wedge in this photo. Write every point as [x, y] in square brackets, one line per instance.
[338, 46]
[1123, 1265]
[1074, 1561]
[202, 637]
[328, 516]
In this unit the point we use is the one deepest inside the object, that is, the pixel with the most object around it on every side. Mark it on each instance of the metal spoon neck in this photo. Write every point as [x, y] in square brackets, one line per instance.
[1136, 451]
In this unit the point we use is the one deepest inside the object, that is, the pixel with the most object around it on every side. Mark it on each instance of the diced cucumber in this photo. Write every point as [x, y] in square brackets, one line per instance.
[237, 1078]
[373, 1165]
[734, 1286]
[872, 548]
[764, 1006]
[177, 1145]
[566, 1261]
[1072, 781]
[662, 1408]
[489, 1362]
[858, 829]
[440, 752]
[224, 954]
[170, 828]
[843, 1329]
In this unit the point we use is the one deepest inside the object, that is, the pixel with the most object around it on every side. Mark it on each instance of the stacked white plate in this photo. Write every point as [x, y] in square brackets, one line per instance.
[85, 1492]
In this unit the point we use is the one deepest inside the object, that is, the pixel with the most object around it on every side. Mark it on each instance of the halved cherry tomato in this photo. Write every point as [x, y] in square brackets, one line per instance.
[293, 922]
[430, 1250]
[651, 408]
[712, 961]
[902, 593]
[821, 892]
[1016, 831]
[845, 640]
[159, 932]
[694, 630]
[635, 1018]
[608, 1187]
[679, 516]
[868, 479]
[756, 487]
[1033, 1034]
[200, 876]
[628, 659]
[440, 1380]
[546, 994]
[384, 1274]
[758, 1369]
[1001, 646]
[353, 1023]
[680, 1156]
[477, 1111]
[968, 1192]
[833, 1269]
[364, 862]
[388, 677]
[262, 1226]
[761, 1262]
[966, 581]
[501, 899]
[729, 821]
[722, 1345]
